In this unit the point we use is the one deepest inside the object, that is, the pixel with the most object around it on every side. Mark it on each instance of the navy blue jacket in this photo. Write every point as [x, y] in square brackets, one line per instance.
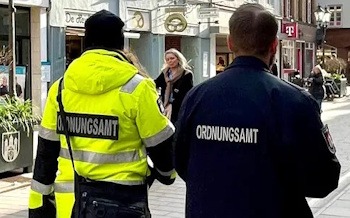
[249, 145]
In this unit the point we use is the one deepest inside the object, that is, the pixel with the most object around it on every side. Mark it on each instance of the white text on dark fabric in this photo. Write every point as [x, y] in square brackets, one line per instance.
[90, 125]
[227, 134]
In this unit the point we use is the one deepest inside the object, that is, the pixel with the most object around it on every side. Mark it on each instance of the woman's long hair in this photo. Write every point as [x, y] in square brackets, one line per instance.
[136, 62]
[183, 63]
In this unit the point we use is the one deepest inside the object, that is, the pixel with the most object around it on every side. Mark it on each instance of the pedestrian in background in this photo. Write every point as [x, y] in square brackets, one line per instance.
[175, 80]
[114, 122]
[316, 88]
[3, 85]
[247, 144]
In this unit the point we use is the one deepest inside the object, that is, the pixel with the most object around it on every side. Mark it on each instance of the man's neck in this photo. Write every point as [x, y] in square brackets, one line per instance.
[266, 60]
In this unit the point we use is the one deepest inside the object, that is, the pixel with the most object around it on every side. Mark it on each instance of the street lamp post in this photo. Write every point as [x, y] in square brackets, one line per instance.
[323, 18]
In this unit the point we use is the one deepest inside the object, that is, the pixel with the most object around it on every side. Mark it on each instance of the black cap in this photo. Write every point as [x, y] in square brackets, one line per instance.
[104, 30]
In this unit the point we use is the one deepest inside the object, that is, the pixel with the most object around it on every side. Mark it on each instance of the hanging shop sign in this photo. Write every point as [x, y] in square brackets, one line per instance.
[75, 18]
[290, 29]
[175, 23]
[138, 20]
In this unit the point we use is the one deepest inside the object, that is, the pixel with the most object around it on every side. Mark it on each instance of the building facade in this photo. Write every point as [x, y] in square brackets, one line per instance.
[297, 37]
[29, 40]
[197, 28]
[338, 30]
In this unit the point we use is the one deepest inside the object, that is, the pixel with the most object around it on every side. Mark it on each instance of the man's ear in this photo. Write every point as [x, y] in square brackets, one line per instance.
[229, 43]
[274, 46]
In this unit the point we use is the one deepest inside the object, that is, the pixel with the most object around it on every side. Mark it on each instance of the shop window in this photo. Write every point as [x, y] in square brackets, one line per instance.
[288, 54]
[74, 47]
[336, 16]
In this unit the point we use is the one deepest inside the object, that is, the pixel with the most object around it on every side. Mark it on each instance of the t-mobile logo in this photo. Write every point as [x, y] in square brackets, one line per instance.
[290, 31]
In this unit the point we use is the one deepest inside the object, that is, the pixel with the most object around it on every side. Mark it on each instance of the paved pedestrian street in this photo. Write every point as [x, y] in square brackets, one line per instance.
[169, 201]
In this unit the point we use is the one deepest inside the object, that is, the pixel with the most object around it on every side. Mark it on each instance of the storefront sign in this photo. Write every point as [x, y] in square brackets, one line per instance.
[76, 18]
[138, 20]
[175, 23]
[291, 29]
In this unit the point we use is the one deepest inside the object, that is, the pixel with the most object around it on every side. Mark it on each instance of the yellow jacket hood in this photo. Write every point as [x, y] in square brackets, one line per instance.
[98, 71]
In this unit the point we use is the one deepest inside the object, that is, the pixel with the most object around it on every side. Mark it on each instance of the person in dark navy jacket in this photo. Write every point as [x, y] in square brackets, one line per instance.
[240, 147]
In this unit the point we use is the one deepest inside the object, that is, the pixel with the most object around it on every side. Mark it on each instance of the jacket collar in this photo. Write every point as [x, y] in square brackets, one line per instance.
[248, 61]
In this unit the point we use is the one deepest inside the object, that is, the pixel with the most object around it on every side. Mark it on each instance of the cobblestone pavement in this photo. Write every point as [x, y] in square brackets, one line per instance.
[169, 201]
[337, 116]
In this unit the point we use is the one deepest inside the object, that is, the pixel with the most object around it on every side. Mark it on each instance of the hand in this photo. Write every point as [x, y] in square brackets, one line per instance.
[168, 110]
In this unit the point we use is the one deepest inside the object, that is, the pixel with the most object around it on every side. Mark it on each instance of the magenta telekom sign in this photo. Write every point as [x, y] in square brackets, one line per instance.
[290, 29]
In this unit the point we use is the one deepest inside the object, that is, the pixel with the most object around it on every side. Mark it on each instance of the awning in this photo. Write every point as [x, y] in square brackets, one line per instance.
[70, 31]
[75, 31]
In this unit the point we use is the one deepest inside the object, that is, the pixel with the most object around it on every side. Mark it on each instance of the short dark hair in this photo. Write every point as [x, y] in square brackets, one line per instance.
[253, 29]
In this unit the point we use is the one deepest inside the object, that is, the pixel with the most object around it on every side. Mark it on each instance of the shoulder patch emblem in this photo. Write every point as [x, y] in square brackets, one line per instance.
[328, 138]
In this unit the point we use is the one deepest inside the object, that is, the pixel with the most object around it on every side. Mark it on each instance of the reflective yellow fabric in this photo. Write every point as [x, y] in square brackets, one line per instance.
[64, 202]
[93, 84]
[35, 200]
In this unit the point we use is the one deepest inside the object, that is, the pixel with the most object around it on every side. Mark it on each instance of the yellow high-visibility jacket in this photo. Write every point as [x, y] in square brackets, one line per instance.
[113, 116]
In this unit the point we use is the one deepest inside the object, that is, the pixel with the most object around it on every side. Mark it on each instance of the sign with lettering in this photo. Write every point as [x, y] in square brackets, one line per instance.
[291, 29]
[76, 18]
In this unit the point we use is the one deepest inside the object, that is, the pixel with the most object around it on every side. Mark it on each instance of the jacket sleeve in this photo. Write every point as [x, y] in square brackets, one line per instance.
[181, 141]
[45, 168]
[155, 130]
[185, 86]
[159, 80]
[317, 163]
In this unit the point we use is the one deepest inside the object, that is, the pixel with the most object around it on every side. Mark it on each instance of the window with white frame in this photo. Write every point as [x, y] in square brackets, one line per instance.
[336, 16]
[288, 54]
[287, 8]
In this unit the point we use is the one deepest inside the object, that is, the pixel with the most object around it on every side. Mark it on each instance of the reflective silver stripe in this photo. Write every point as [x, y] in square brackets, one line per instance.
[68, 187]
[48, 134]
[131, 85]
[99, 158]
[161, 136]
[169, 173]
[41, 188]
[64, 187]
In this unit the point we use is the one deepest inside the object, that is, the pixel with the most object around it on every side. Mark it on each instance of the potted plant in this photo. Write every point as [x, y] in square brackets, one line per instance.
[17, 121]
[336, 66]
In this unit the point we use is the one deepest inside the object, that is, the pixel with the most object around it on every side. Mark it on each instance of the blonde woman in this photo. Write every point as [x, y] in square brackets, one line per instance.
[175, 80]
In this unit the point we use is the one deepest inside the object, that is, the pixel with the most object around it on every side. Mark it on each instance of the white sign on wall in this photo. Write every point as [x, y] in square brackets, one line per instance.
[138, 20]
[75, 18]
[204, 13]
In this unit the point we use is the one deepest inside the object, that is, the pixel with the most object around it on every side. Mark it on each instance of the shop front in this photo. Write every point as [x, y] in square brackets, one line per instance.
[74, 33]
[297, 49]
[23, 54]
[17, 145]
[177, 27]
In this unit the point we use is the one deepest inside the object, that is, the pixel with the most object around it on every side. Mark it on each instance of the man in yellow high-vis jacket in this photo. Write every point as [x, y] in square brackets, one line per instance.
[114, 120]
